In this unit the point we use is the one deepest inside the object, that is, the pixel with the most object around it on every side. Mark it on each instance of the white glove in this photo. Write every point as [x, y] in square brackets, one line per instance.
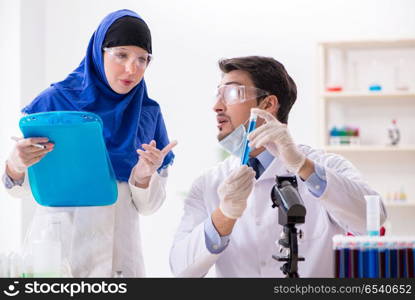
[275, 137]
[25, 154]
[235, 190]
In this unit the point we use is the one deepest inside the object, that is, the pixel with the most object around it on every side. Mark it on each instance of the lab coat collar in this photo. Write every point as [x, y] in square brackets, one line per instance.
[275, 168]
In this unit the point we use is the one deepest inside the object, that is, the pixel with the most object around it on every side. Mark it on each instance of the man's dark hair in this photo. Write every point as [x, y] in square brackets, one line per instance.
[269, 75]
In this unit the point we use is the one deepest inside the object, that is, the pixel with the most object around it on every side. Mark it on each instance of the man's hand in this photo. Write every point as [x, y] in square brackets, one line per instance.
[275, 137]
[235, 190]
[149, 161]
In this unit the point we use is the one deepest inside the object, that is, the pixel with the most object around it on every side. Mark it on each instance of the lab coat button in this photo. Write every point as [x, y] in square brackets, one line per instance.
[263, 263]
[258, 223]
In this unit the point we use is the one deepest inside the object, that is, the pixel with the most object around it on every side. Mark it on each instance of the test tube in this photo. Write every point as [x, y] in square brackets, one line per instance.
[387, 261]
[354, 252]
[360, 266]
[373, 257]
[364, 268]
[402, 260]
[372, 214]
[411, 258]
[347, 257]
[358, 262]
[381, 245]
[337, 258]
[393, 259]
[247, 149]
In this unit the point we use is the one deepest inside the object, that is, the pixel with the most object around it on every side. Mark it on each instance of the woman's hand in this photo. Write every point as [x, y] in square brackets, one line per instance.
[149, 161]
[25, 154]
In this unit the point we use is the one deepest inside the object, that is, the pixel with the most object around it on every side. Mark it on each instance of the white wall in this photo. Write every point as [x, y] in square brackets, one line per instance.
[188, 39]
[22, 76]
[10, 225]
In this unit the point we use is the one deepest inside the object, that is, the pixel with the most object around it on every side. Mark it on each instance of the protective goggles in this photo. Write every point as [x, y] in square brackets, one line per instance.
[234, 94]
[123, 56]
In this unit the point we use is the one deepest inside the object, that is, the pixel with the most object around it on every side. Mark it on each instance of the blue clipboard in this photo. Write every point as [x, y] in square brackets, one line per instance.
[78, 172]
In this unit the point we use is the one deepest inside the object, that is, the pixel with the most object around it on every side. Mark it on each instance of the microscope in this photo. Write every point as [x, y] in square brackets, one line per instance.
[291, 211]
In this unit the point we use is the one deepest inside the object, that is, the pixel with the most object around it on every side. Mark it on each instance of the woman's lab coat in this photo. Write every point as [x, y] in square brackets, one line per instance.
[99, 241]
[340, 209]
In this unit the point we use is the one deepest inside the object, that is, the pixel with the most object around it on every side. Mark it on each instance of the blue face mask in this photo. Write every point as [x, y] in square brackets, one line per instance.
[234, 142]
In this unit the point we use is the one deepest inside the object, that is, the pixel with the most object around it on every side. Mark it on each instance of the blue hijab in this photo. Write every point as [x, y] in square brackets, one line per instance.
[129, 120]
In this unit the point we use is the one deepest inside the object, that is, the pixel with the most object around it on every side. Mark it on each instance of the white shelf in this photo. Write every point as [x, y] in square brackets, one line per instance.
[387, 169]
[347, 148]
[407, 204]
[370, 44]
[367, 95]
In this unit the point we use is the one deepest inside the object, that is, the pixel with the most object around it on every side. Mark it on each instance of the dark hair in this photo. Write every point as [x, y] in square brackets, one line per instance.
[269, 75]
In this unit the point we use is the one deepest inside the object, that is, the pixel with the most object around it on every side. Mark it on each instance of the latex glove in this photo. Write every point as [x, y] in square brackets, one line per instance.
[235, 190]
[24, 154]
[150, 160]
[275, 137]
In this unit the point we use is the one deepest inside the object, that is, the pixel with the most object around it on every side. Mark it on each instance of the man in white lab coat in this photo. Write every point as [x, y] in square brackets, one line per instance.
[228, 221]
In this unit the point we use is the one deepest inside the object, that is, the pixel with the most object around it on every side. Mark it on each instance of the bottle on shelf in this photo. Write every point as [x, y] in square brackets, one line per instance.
[27, 265]
[335, 82]
[375, 85]
[334, 136]
[397, 196]
[345, 135]
[15, 265]
[402, 195]
[400, 80]
[394, 133]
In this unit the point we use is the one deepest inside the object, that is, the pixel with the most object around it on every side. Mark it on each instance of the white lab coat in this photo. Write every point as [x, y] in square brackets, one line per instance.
[99, 241]
[340, 208]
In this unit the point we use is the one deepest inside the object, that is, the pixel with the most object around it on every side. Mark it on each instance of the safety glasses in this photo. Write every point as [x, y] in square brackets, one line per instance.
[124, 56]
[234, 94]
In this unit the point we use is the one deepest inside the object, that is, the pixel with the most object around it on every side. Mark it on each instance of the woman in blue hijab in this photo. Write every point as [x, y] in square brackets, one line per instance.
[103, 241]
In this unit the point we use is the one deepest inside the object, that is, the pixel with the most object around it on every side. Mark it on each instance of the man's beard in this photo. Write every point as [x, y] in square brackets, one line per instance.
[222, 135]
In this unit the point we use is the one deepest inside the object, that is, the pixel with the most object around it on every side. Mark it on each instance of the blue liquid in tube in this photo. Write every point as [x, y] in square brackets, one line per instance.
[247, 149]
[366, 260]
[361, 266]
[347, 262]
[373, 263]
[387, 263]
[394, 263]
